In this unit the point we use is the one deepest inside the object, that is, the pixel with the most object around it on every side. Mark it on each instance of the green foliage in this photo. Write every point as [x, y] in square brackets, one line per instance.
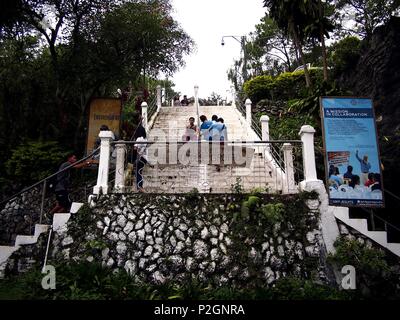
[273, 213]
[34, 161]
[344, 54]
[286, 86]
[375, 278]
[91, 281]
[237, 188]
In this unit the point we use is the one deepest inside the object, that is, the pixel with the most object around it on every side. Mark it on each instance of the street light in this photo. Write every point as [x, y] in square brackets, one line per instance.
[242, 41]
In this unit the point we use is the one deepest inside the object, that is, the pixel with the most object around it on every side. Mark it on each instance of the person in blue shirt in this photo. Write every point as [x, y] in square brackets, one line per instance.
[365, 167]
[335, 180]
[218, 131]
[206, 124]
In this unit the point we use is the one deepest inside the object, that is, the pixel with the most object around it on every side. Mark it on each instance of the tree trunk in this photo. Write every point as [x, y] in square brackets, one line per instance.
[300, 50]
[322, 36]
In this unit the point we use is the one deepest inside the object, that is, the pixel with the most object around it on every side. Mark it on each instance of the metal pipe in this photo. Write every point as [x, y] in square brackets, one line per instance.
[42, 203]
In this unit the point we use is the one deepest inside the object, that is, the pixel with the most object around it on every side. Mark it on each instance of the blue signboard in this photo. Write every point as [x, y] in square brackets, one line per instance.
[353, 169]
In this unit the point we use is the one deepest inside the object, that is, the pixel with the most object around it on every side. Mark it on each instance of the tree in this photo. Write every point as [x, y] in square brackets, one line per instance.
[365, 15]
[292, 17]
[275, 44]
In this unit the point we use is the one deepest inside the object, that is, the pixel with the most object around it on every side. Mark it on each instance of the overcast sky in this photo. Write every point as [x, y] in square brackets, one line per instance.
[206, 21]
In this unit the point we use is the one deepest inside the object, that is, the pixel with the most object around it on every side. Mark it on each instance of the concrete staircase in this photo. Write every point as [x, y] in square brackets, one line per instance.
[361, 225]
[59, 225]
[170, 125]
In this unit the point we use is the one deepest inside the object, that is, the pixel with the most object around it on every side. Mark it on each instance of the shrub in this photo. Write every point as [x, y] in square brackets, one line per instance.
[286, 86]
[34, 161]
[344, 54]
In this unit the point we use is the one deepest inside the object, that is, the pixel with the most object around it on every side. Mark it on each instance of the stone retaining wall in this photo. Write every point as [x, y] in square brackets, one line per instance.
[211, 237]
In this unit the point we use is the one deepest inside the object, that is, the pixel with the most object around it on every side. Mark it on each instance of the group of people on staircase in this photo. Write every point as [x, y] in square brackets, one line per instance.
[210, 130]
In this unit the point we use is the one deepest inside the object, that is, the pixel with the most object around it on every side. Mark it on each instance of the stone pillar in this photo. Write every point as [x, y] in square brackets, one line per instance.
[119, 185]
[159, 98]
[248, 112]
[289, 183]
[307, 137]
[104, 162]
[196, 102]
[233, 96]
[264, 128]
[144, 115]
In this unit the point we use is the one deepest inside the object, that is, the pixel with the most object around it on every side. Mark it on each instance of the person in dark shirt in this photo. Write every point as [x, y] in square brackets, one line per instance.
[63, 183]
[185, 101]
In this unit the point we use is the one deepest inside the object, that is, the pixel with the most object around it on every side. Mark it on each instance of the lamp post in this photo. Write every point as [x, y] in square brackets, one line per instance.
[242, 41]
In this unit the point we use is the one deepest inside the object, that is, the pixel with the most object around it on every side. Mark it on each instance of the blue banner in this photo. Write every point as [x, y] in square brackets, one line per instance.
[352, 159]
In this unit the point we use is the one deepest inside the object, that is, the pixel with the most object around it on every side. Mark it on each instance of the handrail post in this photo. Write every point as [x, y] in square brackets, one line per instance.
[233, 96]
[120, 167]
[104, 162]
[196, 101]
[289, 172]
[248, 112]
[42, 203]
[159, 100]
[264, 128]
[144, 114]
[307, 137]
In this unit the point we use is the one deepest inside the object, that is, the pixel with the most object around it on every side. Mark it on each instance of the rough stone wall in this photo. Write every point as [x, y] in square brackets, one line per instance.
[160, 238]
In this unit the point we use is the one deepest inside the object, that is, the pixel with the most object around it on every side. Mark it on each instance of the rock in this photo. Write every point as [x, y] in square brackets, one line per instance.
[224, 228]
[129, 227]
[180, 236]
[312, 251]
[214, 231]
[148, 228]
[214, 241]
[172, 240]
[281, 251]
[122, 236]
[200, 249]
[211, 267]
[223, 248]
[214, 254]
[141, 234]
[183, 227]
[153, 221]
[204, 233]
[131, 216]
[107, 221]
[105, 231]
[221, 236]
[130, 267]
[90, 258]
[142, 263]
[104, 253]
[199, 223]
[67, 241]
[149, 240]
[188, 242]
[66, 253]
[269, 275]
[99, 225]
[190, 264]
[176, 260]
[266, 257]
[121, 247]
[312, 236]
[228, 241]
[132, 237]
[203, 265]
[110, 262]
[139, 225]
[159, 240]
[276, 263]
[158, 277]
[264, 246]
[148, 251]
[179, 247]
[121, 221]
[289, 244]
[151, 268]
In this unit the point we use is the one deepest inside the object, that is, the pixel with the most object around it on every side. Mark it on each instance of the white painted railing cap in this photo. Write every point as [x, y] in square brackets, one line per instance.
[264, 118]
[248, 101]
[307, 129]
[106, 134]
[144, 104]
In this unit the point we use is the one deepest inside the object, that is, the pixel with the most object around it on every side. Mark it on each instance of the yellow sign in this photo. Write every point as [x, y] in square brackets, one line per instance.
[103, 111]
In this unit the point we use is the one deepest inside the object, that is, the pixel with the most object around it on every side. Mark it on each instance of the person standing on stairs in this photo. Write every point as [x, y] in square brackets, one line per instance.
[141, 158]
[205, 125]
[191, 133]
[63, 183]
[185, 101]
